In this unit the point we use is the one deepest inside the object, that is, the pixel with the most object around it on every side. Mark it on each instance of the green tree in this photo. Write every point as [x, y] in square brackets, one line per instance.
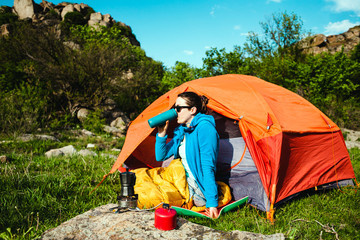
[218, 62]
[86, 70]
[177, 75]
[280, 33]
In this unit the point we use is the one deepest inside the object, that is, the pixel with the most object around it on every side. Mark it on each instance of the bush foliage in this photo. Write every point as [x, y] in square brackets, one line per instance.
[84, 69]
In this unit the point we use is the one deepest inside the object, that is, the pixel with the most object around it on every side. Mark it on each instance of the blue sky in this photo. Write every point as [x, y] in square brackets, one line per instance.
[174, 30]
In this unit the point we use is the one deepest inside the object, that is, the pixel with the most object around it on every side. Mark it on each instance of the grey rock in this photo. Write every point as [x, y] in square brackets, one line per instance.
[30, 137]
[47, 5]
[54, 153]
[64, 151]
[119, 123]
[4, 159]
[5, 29]
[82, 114]
[67, 9]
[108, 105]
[87, 133]
[318, 40]
[107, 18]
[24, 8]
[87, 152]
[90, 145]
[104, 24]
[83, 5]
[101, 223]
[94, 23]
[77, 7]
[72, 45]
[63, 4]
[96, 16]
[320, 43]
[113, 130]
[352, 139]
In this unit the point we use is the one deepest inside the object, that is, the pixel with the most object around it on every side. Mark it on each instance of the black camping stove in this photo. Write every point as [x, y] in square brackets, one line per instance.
[127, 199]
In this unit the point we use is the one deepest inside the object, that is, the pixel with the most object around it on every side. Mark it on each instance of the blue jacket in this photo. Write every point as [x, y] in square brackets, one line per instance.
[202, 145]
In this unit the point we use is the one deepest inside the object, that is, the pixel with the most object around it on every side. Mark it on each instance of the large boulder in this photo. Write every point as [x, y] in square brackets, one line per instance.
[102, 223]
[120, 123]
[64, 151]
[82, 114]
[24, 8]
[87, 152]
[67, 9]
[318, 39]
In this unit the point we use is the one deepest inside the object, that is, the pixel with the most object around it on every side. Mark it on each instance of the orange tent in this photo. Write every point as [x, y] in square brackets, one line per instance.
[293, 145]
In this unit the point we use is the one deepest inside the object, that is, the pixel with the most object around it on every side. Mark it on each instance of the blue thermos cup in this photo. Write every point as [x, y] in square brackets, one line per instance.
[161, 119]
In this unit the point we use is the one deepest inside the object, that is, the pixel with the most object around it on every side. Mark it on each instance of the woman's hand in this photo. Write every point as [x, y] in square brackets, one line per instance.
[212, 212]
[162, 129]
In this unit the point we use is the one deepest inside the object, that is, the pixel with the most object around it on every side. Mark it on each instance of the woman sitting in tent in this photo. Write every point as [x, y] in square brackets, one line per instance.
[196, 142]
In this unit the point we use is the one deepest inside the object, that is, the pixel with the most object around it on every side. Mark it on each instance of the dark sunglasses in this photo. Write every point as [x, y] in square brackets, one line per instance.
[178, 108]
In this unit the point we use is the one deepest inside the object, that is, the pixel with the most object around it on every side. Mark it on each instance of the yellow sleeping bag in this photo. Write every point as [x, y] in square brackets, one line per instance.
[169, 185]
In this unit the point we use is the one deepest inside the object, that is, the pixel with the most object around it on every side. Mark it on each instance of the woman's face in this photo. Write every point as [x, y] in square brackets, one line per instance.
[185, 115]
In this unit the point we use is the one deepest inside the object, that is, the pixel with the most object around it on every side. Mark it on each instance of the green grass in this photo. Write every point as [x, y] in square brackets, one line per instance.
[37, 194]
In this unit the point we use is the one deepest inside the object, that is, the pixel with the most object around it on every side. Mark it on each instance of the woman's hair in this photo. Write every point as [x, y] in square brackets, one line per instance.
[194, 100]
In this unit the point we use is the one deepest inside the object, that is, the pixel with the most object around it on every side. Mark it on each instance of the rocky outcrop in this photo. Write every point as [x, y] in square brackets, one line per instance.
[102, 223]
[24, 8]
[333, 43]
[49, 14]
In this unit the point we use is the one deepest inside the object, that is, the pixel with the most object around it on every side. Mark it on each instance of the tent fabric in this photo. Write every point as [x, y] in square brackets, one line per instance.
[293, 145]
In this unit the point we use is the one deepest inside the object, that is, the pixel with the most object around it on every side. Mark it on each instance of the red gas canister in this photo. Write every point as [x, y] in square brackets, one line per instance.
[165, 218]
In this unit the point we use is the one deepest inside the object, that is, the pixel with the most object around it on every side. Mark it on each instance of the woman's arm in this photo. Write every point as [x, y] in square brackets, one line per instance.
[162, 150]
[209, 146]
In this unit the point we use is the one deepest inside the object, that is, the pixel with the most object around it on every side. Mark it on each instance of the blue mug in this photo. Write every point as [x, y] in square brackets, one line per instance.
[161, 119]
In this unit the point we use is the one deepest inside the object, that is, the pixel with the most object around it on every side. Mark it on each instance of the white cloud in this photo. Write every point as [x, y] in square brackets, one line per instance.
[244, 34]
[237, 27]
[339, 27]
[276, 1]
[346, 5]
[207, 47]
[188, 52]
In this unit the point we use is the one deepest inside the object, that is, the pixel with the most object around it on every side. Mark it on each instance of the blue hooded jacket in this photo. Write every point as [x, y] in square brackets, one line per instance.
[202, 145]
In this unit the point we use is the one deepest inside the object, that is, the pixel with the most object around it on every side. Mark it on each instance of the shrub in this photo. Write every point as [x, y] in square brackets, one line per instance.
[7, 18]
[21, 110]
[94, 122]
[75, 18]
[52, 14]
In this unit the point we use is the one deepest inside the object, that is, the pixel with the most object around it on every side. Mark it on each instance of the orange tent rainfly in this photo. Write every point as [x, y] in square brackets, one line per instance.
[274, 144]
